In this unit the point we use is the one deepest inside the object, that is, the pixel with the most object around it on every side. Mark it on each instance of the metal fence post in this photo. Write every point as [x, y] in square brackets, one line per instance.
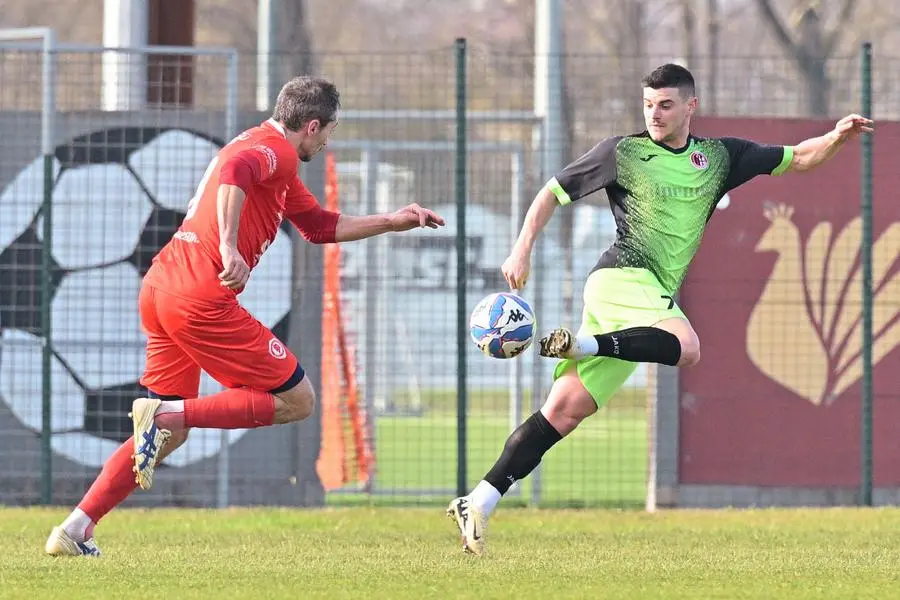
[539, 139]
[223, 464]
[48, 108]
[866, 257]
[461, 304]
[517, 185]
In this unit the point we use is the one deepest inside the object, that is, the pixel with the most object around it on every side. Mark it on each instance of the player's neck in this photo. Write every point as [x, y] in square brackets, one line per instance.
[676, 143]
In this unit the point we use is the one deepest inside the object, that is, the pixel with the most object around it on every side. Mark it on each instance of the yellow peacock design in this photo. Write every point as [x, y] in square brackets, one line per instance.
[806, 330]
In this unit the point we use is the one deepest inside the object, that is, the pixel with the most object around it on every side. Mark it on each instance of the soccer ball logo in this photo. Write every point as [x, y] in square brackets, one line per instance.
[118, 196]
[502, 325]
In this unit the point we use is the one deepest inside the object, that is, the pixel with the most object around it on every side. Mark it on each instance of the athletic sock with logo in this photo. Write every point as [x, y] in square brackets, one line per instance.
[637, 344]
[522, 453]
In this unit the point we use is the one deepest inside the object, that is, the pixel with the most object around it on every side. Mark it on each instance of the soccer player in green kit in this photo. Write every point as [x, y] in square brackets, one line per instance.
[663, 185]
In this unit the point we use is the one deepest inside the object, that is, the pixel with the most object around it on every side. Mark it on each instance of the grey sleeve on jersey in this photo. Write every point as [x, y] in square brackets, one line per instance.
[749, 159]
[592, 171]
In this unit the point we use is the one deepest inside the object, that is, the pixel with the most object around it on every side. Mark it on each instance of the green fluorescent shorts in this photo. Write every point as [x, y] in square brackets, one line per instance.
[616, 299]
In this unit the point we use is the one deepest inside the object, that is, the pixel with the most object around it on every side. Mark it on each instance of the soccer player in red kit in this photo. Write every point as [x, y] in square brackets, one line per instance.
[190, 310]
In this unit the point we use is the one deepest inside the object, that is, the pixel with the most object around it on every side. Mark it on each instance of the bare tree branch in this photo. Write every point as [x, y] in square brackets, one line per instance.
[778, 27]
[588, 10]
[834, 36]
[688, 31]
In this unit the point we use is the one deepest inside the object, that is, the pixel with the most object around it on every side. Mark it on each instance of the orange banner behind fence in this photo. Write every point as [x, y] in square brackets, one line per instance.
[346, 454]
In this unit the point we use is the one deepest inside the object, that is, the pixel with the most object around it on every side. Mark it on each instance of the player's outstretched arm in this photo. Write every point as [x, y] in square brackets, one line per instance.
[350, 228]
[811, 153]
[518, 265]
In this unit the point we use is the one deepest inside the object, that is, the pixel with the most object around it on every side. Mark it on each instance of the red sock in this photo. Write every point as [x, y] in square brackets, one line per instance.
[113, 485]
[240, 408]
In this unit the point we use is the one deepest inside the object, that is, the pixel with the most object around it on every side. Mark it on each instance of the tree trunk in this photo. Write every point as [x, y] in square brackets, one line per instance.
[818, 87]
[712, 69]
[295, 41]
[633, 39]
[688, 30]
[812, 59]
[811, 49]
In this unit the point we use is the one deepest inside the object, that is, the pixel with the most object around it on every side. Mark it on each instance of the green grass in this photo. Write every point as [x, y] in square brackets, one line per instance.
[603, 463]
[413, 553]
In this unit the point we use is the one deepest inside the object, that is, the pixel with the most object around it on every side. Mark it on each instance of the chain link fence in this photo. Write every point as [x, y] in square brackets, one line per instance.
[129, 144]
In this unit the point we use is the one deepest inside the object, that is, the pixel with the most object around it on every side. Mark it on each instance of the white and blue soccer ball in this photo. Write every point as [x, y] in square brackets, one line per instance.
[502, 325]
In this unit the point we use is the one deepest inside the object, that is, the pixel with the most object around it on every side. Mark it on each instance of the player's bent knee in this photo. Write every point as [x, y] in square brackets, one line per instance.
[568, 403]
[690, 352]
[295, 404]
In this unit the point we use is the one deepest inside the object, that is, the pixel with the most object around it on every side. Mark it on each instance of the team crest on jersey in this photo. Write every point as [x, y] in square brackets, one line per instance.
[699, 160]
[276, 349]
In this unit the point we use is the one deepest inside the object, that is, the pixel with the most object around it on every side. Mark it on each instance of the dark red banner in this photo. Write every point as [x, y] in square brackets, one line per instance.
[775, 295]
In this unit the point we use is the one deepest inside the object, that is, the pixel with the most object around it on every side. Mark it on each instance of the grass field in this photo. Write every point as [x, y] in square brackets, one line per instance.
[603, 463]
[396, 553]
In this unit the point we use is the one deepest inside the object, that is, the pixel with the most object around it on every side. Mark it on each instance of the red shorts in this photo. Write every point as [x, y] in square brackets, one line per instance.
[226, 341]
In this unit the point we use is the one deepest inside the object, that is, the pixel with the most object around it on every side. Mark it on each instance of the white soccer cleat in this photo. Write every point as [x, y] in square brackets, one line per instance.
[559, 343]
[471, 522]
[61, 544]
[148, 440]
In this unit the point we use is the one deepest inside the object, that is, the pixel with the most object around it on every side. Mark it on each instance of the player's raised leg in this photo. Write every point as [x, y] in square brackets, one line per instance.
[670, 342]
[236, 408]
[266, 384]
[631, 317]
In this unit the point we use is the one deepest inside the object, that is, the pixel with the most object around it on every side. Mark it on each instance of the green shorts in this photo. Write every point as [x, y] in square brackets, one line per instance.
[616, 299]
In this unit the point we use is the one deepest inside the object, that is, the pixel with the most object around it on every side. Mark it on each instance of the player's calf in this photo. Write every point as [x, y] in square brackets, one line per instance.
[295, 404]
[672, 342]
[175, 441]
[567, 405]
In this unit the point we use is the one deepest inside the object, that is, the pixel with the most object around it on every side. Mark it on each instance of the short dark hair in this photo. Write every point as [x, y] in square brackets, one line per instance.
[670, 76]
[304, 99]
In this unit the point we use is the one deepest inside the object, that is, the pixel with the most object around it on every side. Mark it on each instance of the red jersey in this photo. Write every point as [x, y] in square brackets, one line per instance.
[264, 164]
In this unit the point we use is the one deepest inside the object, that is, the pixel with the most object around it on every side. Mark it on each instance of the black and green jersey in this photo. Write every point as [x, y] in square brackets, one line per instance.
[662, 198]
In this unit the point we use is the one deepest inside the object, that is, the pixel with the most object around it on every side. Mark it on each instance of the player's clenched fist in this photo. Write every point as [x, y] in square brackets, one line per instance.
[414, 215]
[516, 269]
[235, 271]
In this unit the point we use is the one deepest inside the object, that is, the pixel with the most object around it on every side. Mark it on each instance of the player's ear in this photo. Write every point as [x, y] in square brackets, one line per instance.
[313, 127]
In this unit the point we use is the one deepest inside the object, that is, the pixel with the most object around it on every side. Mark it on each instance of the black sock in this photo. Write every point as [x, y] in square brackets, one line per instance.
[522, 452]
[641, 344]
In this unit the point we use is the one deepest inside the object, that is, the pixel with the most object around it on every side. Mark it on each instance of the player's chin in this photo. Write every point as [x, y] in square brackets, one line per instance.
[308, 156]
[658, 134]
